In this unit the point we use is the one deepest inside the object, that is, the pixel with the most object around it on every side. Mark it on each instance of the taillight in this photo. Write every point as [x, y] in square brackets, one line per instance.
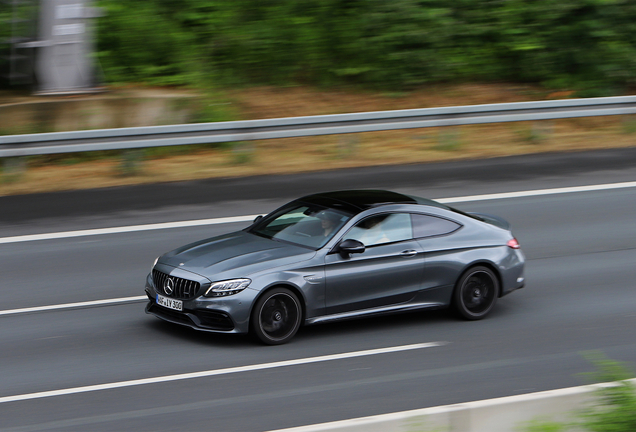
[513, 243]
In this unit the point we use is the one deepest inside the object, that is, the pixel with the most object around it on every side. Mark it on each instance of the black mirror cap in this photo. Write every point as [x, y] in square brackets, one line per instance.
[351, 246]
[257, 218]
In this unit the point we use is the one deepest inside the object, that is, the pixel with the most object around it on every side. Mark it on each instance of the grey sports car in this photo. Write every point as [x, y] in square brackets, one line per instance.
[333, 256]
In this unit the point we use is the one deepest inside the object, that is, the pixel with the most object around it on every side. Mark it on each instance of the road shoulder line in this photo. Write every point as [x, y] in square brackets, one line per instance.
[249, 218]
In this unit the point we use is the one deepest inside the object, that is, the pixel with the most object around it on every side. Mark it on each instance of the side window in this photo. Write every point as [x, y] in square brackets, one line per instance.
[427, 226]
[384, 228]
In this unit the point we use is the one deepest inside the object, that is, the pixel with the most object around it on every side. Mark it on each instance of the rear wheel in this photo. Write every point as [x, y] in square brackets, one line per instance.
[276, 316]
[476, 293]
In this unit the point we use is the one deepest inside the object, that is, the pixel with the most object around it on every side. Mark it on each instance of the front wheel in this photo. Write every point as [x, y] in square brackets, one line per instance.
[276, 316]
[476, 293]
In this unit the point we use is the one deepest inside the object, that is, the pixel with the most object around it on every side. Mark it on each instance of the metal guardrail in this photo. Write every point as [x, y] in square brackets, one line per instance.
[204, 133]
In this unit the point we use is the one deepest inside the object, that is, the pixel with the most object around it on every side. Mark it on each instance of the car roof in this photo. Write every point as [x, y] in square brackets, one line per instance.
[356, 201]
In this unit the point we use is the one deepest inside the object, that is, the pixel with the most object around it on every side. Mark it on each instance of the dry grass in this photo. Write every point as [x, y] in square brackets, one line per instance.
[294, 155]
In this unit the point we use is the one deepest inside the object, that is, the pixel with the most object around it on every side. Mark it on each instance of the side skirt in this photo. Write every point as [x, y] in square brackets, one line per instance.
[374, 311]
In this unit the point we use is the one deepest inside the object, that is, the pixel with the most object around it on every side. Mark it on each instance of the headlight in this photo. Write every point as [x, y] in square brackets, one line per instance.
[154, 264]
[226, 288]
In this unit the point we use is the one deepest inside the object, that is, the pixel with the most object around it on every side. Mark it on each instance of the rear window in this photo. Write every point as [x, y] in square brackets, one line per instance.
[428, 226]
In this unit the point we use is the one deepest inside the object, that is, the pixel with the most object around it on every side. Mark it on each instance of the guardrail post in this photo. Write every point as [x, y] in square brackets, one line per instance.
[130, 163]
[541, 130]
[243, 153]
[629, 124]
[449, 139]
[348, 145]
[13, 168]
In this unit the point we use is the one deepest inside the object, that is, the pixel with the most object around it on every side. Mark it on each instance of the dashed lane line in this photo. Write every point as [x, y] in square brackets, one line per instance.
[217, 372]
[538, 192]
[125, 229]
[105, 302]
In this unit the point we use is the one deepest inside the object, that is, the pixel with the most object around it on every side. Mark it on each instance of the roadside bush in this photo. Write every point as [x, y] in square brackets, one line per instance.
[589, 45]
[616, 407]
[616, 411]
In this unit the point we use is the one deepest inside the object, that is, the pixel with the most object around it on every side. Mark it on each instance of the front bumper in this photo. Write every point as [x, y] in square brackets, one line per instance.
[213, 321]
[219, 315]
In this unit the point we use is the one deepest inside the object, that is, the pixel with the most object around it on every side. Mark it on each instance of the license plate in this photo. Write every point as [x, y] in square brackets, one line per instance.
[169, 303]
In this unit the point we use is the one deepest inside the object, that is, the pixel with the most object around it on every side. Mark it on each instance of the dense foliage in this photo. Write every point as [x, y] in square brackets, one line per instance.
[615, 410]
[589, 44]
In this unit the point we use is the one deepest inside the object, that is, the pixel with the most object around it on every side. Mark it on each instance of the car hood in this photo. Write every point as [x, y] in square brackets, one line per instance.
[241, 251]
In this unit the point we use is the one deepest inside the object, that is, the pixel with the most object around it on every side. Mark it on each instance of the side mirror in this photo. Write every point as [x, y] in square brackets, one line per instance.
[350, 246]
[257, 218]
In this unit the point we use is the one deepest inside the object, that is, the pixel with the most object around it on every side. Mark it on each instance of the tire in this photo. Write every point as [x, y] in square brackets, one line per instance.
[476, 293]
[276, 316]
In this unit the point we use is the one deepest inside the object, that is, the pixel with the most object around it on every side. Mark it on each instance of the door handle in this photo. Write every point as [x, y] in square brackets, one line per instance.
[408, 253]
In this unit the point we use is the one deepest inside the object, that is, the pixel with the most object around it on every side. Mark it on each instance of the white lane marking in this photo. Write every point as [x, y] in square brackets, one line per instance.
[215, 372]
[125, 229]
[537, 192]
[73, 305]
[249, 218]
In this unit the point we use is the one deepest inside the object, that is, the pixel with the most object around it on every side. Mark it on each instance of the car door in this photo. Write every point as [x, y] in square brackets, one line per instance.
[388, 272]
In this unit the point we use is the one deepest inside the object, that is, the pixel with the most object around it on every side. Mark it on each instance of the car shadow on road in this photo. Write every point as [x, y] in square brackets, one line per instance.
[368, 327]
[165, 329]
[373, 325]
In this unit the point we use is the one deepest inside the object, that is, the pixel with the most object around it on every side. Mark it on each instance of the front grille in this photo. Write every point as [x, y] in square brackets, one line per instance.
[182, 288]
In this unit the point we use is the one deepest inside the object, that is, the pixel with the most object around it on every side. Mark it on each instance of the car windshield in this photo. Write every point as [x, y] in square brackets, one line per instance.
[302, 224]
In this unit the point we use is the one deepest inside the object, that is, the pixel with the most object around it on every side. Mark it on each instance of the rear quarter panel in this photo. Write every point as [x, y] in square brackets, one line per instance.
[448, 256]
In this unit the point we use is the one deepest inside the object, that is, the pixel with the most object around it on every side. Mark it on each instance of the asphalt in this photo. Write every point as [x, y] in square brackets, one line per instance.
[502, 170]
[579, 297]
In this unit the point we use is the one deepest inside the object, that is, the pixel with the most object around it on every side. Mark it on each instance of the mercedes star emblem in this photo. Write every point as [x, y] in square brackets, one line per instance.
[168, 286]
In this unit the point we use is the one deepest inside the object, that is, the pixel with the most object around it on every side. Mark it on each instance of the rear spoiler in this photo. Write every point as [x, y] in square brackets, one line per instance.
[493, 220]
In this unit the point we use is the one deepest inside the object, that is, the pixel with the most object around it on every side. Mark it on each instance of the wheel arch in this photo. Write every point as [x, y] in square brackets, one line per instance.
[487, 264]
[293, 288]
